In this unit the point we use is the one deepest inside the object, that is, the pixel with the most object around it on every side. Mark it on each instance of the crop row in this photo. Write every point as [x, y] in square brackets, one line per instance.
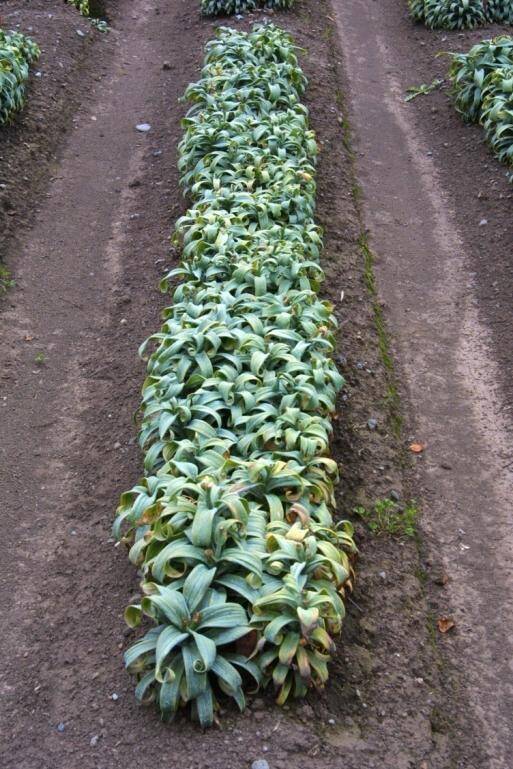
[461, 14]
[17, 52]
[243, 566]
[227, 7]
[482, 84]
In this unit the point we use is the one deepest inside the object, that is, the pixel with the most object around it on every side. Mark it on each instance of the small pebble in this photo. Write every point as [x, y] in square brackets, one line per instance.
[60, 727]
[372, 424]
[260, 763]
[483, 222]
[394, 495]
[114, 696]
[143, 127]
[94, 740]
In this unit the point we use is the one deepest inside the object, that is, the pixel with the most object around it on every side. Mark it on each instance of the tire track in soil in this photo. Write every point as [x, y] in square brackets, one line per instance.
[451, 377]
[90, 263]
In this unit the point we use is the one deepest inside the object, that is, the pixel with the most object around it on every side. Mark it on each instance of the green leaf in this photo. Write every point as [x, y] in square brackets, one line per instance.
[140, 648]
[167, 641]
[250, 667]
[143, 686]
[196, 585]
[206, 648]
[239, 585]
[205, 707]
[170, 603]
[222, 637]
[196, 682]
[227, 615]
[133, 615]
[274, 628]
[227, 673]
[288, 648]
[169, 698]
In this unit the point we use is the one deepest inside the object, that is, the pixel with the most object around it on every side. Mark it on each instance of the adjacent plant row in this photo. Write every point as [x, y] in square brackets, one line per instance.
[227, 7]
[17, 52]
[461, 14]
[482, 85]
[243, 566]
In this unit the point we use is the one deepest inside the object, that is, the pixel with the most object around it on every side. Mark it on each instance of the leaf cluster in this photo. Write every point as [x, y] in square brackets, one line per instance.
[229, 7]
[461, 14]
[482, 87]
[17, 52]
[82, 6]
[236, 507]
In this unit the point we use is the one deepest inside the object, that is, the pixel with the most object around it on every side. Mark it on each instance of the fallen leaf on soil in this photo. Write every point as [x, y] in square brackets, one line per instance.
[417, 448]
[28, 338]
[445, 624]
[441, 579]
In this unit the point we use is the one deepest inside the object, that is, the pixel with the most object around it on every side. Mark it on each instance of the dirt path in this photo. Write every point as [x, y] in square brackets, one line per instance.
[445, 349]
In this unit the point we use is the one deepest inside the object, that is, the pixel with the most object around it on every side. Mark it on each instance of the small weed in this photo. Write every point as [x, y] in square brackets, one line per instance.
[422, 90]
[346, 129]
[100, 25]
[6, 282]
[357, 193]
[387, 517]
[392, 395]
[422, 576]
[40, 358]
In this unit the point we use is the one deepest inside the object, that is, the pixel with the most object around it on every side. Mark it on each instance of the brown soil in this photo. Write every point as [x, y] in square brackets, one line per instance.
[446, 275]
[474, 182]
[86, 272]
[29, 145]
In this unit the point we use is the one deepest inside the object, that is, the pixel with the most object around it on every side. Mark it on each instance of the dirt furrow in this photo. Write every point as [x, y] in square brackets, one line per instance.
[445, 348]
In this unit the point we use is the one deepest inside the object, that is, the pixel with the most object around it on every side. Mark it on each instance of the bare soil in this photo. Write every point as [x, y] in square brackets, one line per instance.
[438, 209]
[87, 247]
[29, 146]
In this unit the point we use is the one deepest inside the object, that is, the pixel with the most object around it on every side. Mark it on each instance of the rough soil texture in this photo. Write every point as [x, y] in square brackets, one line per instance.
[438, 208]
[86, 274]
[29, 145]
